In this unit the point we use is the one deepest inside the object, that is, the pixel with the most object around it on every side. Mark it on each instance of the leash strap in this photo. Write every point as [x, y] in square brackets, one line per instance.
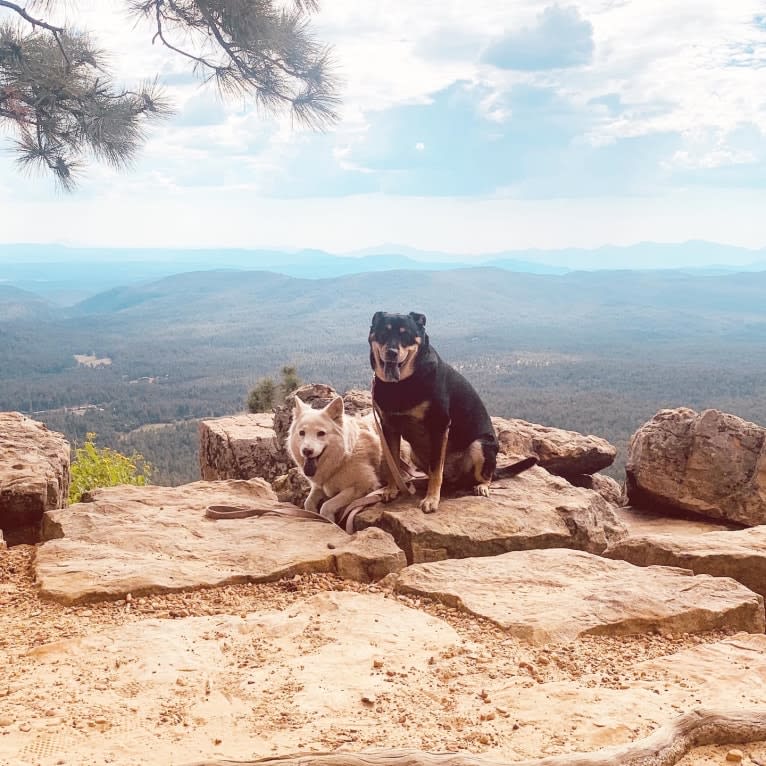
[393, 469]
[237, 512]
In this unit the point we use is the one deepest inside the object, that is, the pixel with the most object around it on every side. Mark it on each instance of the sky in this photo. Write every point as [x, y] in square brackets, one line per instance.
[469, 127]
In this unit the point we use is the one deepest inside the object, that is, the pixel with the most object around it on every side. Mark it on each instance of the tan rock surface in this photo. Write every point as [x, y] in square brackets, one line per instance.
[277, 668]
[152, 539]
[554, 595]
[532, 510]
[34, 474]
[562, 452]
[241, 447]
[740, 554]
[640, 521]
[710, 463]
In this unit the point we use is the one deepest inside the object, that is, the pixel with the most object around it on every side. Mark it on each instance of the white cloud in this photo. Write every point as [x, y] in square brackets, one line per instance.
[687, 68]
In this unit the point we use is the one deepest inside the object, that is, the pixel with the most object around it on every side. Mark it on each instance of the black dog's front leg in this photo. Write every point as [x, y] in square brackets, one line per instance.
[439, 435]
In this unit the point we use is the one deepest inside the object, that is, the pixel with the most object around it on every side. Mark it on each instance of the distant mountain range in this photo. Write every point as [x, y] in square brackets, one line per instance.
[592, 351]
[68, 275]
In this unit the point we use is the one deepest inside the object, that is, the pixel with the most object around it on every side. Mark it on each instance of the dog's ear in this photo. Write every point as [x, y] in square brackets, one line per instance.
[299, 405]
[335, 409]
[419, 319]
[376, 318]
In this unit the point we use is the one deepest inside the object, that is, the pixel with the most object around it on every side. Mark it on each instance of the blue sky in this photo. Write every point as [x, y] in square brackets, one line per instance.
[469, 127]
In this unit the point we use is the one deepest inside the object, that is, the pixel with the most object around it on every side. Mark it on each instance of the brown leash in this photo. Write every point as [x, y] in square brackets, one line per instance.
[286, 510]
[393, 468]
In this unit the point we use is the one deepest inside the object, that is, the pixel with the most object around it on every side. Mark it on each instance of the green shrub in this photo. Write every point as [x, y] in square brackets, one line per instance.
[103, 467]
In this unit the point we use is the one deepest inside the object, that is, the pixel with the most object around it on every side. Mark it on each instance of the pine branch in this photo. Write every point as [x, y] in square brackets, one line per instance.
[34, 22]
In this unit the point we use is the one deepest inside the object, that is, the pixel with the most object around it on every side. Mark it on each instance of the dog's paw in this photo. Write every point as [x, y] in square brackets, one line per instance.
[429, 503]
[327, 512]
[482, 490]
[387, 494]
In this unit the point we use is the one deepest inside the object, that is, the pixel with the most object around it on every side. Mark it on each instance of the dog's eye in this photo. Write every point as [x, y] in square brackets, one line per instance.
[321, 433]
[301, 433]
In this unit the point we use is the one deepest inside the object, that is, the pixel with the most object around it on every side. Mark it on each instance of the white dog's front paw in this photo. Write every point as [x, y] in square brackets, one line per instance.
[328, 512]
[389, 493]
[481, 489]
[429, 503]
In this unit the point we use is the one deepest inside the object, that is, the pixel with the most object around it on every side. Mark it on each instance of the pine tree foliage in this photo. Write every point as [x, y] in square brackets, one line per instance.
[267, 394]
[58, 98]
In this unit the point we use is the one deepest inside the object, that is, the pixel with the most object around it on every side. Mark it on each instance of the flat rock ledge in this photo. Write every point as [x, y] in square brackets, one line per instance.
[566, 453]
[34, 474]
[711, 463]
[557, 595]
[739, 554]
[532, 510]
[143, 540]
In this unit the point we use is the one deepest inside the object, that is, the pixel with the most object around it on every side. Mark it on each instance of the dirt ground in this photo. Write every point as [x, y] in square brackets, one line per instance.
[27, 623]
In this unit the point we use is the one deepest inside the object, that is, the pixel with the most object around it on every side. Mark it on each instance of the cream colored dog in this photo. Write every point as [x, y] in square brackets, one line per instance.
[339, 454]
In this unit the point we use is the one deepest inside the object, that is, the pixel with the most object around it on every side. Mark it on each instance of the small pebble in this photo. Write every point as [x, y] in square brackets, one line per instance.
[735, 756]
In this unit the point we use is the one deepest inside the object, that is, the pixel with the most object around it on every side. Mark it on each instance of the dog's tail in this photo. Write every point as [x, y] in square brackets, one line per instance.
[514, 468]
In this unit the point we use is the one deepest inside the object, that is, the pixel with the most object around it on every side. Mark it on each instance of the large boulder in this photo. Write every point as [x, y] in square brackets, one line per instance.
[710, 463]
[34, 475]
[532, 510]
[566, 453]
[241, 447]
[152, 539]
[559, 595]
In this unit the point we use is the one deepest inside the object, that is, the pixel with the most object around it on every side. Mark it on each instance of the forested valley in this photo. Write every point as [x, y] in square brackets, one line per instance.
[596, 352]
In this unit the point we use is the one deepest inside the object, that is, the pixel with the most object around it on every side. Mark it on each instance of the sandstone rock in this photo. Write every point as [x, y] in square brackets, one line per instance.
[567, 453]
[153, 539]
[357, 402]
[556, 595]
[241, 447]
[730, 673]
[606, 486]
[532, 510]
[291, 678]
[740, 555]
[276, 677]
[34, 474]
[641, 521]
[711, 463]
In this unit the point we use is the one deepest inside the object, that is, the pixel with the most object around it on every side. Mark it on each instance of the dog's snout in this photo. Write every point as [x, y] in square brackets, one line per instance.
[307, 452]
[392, 354]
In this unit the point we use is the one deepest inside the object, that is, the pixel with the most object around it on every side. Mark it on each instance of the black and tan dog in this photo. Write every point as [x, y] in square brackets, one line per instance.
[422, 399]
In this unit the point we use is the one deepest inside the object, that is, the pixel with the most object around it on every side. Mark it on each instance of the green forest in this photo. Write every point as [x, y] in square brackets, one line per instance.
[596, 353]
